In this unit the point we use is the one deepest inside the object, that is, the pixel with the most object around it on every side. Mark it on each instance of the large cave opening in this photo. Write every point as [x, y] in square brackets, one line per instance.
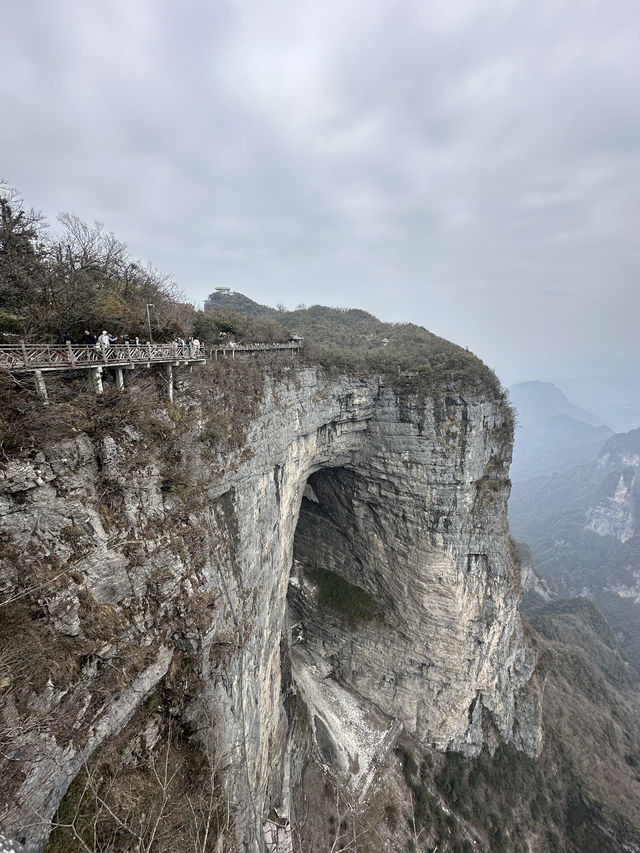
[338, 521]
[338, 623]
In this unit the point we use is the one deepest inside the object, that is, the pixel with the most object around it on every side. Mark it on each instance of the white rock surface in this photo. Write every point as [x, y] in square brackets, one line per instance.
[615, 515]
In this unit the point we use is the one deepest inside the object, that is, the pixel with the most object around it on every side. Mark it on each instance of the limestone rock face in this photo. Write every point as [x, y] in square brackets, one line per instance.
[615, 514]
[530, 580]
[404, 502]
[417, 519]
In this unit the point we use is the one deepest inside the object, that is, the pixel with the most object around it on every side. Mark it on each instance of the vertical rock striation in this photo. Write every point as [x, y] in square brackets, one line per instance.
[405, 503]
[417, 519]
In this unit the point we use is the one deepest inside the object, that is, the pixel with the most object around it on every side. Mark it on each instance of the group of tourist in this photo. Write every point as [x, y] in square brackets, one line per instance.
[90, 340]
[106, 339]
[193, 344]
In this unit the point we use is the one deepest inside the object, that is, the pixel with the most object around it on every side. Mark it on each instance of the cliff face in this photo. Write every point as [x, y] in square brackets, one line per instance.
[417, 519]
[614, 512]
[127, 568]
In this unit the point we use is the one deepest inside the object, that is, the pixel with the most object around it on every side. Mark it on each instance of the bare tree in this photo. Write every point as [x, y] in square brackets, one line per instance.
[22, 270]
[116, 808]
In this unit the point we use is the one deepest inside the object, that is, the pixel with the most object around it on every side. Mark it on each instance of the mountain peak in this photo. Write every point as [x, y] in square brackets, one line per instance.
[538, 401]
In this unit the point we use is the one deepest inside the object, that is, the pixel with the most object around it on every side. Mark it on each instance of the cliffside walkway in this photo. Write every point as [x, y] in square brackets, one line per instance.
[41, 358]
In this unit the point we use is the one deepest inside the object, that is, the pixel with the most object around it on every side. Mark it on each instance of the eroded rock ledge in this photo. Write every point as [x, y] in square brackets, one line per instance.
[118, 582]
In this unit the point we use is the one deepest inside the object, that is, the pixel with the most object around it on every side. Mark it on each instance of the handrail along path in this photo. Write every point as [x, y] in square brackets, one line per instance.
[41, 358]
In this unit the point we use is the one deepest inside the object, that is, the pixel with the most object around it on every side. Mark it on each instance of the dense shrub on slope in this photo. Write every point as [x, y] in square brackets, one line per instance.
[356, 341]
[84, 278]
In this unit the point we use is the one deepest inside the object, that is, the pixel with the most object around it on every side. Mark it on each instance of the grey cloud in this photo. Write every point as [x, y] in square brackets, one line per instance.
[473, 166]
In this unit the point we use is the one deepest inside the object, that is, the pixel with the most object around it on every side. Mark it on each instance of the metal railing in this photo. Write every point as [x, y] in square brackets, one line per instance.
[234, 348]
[25, 356]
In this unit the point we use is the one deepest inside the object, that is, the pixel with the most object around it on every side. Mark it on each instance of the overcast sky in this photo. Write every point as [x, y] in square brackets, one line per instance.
[470, 166]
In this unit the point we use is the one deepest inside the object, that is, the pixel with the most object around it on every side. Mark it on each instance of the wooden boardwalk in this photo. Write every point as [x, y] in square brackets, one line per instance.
[42, 358]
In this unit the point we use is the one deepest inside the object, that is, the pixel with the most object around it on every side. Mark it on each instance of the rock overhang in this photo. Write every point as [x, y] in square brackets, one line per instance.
[424, 505]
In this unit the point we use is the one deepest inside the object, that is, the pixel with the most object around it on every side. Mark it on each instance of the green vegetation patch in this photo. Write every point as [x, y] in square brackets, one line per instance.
[350, 600]
[406, 354]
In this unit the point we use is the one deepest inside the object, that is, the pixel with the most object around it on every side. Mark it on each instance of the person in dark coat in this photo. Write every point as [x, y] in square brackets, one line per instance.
[66, 338]
[88, 339]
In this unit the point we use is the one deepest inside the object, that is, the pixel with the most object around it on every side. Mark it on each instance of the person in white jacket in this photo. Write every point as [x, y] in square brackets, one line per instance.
[106, 339]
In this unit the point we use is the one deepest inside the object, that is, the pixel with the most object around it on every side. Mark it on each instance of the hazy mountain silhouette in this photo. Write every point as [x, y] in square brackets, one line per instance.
[583, 527]
[552, 433]
[614, 398]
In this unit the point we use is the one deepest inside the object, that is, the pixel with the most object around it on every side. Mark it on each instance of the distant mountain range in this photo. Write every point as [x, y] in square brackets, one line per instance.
[539, 401]
[614, 398]
[552, 433]
[583, 527]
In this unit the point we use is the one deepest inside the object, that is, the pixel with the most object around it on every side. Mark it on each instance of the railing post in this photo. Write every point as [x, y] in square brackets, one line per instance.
[41, 388]
[24, 352]
[128, 352]
[70, 353]
[169, 372]
[149, 349]
[96, 374]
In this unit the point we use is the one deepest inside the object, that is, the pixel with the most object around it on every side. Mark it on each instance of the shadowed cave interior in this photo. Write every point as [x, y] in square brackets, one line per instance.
[332, 541]
[335, 608]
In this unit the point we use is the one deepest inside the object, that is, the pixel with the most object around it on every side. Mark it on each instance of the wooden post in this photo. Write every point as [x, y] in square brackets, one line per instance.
[128, 352]
[169, 371]
[24, 352]
[119, 379]
[96, 375]
[41, 388]
[149, 348]
[70, 353]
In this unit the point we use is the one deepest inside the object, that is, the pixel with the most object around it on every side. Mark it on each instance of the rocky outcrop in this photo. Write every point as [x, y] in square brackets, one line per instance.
[614, 512]
[130, 561]
[530, 580]
[417, 520]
